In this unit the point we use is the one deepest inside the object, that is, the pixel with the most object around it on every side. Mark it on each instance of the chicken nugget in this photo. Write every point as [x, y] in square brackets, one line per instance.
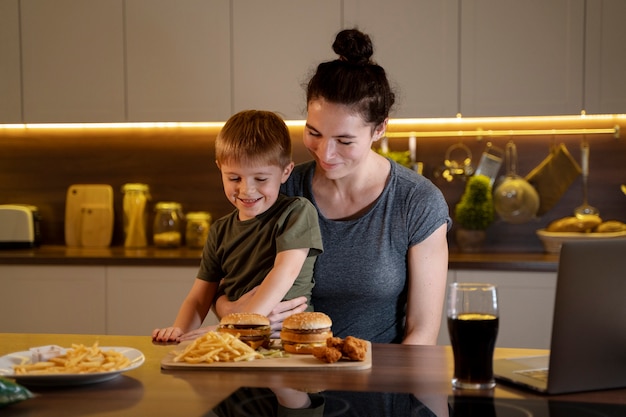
[327, 354]
[354, 348]
[335, 342]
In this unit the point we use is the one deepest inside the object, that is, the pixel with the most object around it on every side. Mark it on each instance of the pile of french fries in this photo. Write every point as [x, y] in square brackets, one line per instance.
[77, 360]
[217, 347]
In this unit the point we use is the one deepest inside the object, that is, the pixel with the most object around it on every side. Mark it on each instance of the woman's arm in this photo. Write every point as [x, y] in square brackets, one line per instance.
[427, 270]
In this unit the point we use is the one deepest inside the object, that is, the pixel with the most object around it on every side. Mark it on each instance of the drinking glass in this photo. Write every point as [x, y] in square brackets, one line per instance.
[472, 312]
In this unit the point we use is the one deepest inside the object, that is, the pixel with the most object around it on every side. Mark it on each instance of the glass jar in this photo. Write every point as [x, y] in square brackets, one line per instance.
[136, 197]
[197, 231]
[166, 232]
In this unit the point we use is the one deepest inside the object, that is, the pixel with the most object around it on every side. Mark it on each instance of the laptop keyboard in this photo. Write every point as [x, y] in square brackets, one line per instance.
[538, 374]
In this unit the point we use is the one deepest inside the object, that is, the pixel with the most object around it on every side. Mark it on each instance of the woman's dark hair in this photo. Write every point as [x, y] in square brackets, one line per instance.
[353, 79]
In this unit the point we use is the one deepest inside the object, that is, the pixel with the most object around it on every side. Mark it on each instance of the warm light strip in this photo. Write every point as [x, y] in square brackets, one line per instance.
[426, 123]
[138, 125]
[514, 132]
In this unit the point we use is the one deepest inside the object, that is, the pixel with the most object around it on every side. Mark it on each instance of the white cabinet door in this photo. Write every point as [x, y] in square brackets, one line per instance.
[521, 58]
[605, 70]
[276, 45]
[140, 299]
[10, 72]
[52, 299]
[416, 41]
[526, 303]
[73, 60]
[178, 60]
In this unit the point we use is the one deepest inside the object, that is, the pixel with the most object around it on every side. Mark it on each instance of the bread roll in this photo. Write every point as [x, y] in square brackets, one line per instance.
[610, 226]
[573, 224]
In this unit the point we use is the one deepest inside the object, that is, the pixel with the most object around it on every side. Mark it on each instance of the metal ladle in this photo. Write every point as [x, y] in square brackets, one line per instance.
[585, 208]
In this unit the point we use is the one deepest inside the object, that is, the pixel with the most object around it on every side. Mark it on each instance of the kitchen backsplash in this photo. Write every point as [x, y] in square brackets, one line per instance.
[38, 165]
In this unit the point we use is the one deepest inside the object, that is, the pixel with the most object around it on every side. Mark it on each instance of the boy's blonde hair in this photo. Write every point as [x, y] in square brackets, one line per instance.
[254, 137]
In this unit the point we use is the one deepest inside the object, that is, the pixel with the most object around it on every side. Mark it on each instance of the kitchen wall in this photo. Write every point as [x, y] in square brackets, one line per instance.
[38, 165]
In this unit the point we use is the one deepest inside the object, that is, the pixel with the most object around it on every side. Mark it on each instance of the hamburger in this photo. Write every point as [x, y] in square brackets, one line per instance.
[251, 328]
[302, 332]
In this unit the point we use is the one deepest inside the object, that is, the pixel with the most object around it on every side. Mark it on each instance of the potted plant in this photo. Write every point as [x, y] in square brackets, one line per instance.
[474, 213]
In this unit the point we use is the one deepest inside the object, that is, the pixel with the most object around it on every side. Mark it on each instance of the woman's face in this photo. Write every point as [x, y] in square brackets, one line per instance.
[338, 139]
[252, 189]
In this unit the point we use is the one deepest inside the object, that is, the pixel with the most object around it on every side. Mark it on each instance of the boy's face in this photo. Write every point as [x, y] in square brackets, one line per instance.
[252, 189]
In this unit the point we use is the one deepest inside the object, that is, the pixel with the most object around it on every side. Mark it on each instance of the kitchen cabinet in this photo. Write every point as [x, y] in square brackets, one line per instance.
[10, 73]
[521, 58]
[92, 299]
[417, 43]
[52, 299]
[275, 47]
[192, 60]
[526, 303]
[72, 60]
[178, 60]
[140, 299]
[605, 89]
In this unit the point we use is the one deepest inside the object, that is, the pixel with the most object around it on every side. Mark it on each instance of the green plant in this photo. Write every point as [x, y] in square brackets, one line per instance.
[475, 210]
[401, 157]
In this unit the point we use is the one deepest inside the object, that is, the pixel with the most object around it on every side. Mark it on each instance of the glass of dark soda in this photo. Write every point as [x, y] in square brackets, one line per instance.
[472, 312]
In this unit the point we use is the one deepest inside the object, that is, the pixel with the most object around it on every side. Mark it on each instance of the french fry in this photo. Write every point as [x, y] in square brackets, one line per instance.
[77, 360]
[217, 347]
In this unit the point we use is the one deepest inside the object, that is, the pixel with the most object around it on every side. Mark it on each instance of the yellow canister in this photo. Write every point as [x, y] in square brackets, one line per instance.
[197, 230]
[136, 198]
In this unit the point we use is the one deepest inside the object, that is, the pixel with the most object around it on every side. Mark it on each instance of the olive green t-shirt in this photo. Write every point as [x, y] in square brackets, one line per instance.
[239, 254]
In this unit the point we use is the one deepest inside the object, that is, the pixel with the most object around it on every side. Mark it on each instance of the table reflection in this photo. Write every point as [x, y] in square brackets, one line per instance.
[545, 407]
[262, 402]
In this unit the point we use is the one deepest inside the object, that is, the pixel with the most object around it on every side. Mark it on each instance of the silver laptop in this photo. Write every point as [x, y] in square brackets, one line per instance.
[588, 347]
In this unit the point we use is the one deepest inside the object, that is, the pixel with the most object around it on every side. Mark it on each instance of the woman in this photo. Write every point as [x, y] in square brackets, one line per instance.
[382, 276]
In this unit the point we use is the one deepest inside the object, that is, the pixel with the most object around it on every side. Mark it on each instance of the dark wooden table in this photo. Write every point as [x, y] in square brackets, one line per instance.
[424, 371]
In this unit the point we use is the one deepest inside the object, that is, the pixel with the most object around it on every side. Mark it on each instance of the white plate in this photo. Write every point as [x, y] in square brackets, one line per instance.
[6, 369]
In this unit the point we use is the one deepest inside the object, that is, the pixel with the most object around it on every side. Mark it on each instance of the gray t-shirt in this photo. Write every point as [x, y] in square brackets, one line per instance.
[361, 280]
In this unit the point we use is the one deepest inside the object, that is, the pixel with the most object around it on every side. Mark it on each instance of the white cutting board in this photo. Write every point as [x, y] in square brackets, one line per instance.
[89, 215]
[295, 362]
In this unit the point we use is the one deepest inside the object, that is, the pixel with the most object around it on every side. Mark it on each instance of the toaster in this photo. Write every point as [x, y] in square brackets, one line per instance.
[19, 226]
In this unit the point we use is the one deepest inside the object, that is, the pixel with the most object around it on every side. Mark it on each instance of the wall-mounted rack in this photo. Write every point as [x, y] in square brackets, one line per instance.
[480, 133]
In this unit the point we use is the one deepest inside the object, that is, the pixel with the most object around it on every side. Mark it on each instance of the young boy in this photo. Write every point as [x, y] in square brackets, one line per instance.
[269, 241]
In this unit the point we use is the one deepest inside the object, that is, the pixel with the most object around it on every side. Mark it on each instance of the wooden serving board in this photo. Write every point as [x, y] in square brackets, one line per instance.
[292, 362]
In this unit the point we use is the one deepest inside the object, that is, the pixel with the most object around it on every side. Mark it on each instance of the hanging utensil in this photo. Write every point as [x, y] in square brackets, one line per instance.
[515, 200]
[585, 208]
[490, 162]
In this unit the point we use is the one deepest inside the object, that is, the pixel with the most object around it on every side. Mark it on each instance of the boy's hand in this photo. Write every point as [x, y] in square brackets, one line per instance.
[168, 334]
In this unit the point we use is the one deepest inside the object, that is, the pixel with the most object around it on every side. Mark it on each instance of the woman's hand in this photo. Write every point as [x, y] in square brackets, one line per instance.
[283, 310]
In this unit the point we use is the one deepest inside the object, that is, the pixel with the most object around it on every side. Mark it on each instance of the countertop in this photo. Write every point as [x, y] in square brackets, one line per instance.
[151, 256]
[423, 371]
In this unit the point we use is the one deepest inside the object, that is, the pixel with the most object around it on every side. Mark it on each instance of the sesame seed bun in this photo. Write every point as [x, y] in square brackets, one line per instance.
[245, 319]
[302, 332]
[307, 320]
[251, 328]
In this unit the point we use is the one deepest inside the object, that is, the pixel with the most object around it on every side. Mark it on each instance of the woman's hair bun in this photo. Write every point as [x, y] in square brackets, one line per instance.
[353, 46]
